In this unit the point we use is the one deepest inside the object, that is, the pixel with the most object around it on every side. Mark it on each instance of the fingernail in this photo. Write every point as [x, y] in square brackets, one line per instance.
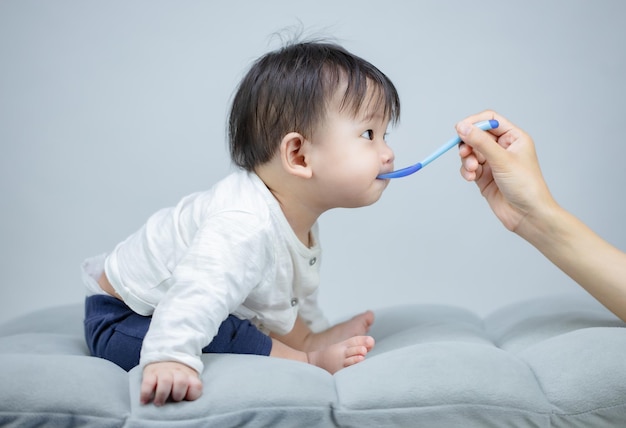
[464, 128]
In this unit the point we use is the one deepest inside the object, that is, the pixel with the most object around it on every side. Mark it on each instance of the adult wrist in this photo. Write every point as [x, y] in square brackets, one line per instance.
[543, 224]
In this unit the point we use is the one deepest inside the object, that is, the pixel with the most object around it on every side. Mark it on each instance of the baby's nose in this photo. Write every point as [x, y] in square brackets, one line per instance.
[388, 155]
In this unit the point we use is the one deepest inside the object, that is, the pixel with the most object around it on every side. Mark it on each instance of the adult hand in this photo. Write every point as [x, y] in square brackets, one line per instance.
[504, 165]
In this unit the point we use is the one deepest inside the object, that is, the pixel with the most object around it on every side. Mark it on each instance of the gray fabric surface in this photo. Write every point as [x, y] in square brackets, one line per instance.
[554, 362]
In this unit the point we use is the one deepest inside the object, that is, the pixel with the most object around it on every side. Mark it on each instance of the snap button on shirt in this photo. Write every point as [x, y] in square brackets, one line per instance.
[294, 301]
[312, 261]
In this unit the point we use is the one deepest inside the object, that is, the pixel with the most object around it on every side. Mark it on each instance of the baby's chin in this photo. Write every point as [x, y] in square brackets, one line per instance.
[365, 202]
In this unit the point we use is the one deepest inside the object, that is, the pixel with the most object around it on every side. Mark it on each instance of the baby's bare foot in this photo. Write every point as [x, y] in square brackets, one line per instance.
[342, 354]
[358, 325]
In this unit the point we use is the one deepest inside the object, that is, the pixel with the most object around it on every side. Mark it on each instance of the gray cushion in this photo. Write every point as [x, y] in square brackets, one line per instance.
[552, 362]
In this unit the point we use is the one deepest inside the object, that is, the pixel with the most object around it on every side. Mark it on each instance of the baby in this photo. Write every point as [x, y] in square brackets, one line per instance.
[235, 269]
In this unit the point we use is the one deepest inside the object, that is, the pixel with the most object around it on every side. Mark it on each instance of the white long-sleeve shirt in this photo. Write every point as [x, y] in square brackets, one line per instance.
[228, 250]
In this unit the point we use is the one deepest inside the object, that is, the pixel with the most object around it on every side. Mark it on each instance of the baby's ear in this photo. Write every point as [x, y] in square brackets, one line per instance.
[293, 154]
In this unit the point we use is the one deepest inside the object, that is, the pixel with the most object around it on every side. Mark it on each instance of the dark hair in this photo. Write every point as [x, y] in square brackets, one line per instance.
[288, 90]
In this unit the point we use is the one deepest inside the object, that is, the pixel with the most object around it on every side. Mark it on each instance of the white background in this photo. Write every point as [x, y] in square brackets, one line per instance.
[111, 110]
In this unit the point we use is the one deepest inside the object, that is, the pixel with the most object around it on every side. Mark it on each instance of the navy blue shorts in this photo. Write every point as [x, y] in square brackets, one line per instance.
[114, 332]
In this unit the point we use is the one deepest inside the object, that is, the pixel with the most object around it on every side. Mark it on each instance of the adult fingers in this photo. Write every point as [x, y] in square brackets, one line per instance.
[484, 144]
[504, 125]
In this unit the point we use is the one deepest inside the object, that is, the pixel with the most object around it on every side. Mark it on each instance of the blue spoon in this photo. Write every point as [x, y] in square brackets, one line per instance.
[484, 125]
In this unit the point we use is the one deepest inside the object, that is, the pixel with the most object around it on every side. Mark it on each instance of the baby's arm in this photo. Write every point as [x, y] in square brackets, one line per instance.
[199, 299]
[169, 379]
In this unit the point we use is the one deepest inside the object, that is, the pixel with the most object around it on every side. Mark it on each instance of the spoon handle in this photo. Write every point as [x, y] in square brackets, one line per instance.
[485, 125]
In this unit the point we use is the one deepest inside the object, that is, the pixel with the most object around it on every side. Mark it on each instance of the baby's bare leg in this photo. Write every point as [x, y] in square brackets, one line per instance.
[332, 358]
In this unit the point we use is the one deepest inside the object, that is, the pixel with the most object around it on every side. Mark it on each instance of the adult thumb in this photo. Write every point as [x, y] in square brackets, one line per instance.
[481, 141]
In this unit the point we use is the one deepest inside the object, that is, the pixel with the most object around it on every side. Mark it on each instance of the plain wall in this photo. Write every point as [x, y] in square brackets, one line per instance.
[111, 110]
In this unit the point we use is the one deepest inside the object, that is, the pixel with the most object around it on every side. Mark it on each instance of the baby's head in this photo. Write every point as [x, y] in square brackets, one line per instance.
[291, 89]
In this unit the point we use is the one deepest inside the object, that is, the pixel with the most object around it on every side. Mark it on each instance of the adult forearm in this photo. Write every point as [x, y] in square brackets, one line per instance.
[593, 263]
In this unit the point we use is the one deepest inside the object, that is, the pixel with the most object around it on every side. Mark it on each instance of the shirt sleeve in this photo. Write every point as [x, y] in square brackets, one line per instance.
[223, 263]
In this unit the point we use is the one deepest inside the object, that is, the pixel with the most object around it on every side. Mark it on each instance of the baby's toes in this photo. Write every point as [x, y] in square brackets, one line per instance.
[354, 351]
[366, 341]
[355, 359]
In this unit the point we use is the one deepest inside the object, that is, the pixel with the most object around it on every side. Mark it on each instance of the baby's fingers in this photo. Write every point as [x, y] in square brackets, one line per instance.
[148, 384]
[194, 391]
[186, 387]
[163, 389]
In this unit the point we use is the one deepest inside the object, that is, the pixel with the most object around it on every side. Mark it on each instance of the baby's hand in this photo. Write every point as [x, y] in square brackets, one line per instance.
[169, 379]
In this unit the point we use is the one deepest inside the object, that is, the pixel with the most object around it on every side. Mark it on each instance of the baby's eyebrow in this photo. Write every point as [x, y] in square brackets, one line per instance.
[373, 115]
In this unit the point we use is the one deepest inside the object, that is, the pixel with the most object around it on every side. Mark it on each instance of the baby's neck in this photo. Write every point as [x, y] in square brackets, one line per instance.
[299, 214]
[299, 217]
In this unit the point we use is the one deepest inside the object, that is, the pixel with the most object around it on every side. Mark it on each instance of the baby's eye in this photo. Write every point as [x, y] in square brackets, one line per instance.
[369, 134]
